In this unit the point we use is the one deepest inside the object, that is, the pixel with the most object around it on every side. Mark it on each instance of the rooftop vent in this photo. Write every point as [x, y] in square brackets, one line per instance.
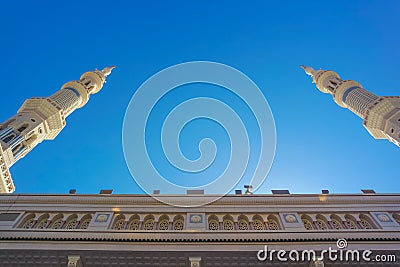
[238, 192]
[368, 191]
[280, 192]
[195, 192]
[106, 192]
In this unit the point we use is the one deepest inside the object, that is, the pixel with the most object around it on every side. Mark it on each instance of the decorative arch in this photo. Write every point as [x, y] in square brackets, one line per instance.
[307, 222]
[71, 222]
[163, 222]
[148, 223]
[119, 222]
[178, 222]
[213, 223]
[57, 221]
[227, 223]
[351, 222]
[134, 222]
[85, 221]
[28, 222]
[273, 223]
[258, 223]
[336, 221]
[42, 221]
[243, 222]
[366, 222]
[396, 217]
[322, 222]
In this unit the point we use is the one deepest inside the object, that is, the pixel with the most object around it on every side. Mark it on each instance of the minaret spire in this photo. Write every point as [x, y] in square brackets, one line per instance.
[43, 118]
[380, 114]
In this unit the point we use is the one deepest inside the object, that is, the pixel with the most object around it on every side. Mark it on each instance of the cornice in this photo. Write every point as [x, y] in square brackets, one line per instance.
[230, 200]
[185, 236]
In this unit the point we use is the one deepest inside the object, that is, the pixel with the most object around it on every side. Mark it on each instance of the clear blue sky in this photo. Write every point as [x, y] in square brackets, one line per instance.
[319, 145]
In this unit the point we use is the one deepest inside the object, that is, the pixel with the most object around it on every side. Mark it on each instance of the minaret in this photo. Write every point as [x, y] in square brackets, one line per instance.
[43, 118]
[380, 114]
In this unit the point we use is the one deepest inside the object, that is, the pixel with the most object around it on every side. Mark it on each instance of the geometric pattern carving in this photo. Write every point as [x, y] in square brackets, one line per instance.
[213, 223]
[178, 223]
[273, 224]
[228, 224]
[307, 224]
[163, 224]
[148, 224]
[351, 224]
[321, 224]
[119, 224]
[58, 223]
[365, 224]
[336, 224]
[258, 224]
[243, 224]
[134, 224]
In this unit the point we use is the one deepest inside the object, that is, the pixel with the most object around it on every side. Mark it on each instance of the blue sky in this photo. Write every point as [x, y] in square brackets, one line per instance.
[319, 145]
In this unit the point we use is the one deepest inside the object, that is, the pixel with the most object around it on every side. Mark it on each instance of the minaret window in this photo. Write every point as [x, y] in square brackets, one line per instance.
[23, 127]
[9, 138]
[17, 148]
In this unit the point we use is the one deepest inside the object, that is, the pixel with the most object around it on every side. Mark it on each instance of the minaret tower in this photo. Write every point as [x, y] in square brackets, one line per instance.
[43, 118]
[380, 114]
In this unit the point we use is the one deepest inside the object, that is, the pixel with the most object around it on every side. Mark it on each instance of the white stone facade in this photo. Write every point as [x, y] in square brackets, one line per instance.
[84, 225]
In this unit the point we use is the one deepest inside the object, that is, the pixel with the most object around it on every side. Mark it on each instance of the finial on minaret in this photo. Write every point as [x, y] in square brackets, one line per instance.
[106, 71]
[309, 70]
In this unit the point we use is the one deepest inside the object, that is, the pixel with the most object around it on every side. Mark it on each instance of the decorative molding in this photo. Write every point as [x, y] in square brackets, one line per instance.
[194, 261]
[254, 200]
[74, 261]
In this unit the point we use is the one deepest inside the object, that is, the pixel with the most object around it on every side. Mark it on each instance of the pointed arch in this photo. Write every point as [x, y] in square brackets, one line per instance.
[227, 222]
[119, 222]
[148, 223]
[213, 223]
[163, 222]
[243, 222]
[178, 222]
